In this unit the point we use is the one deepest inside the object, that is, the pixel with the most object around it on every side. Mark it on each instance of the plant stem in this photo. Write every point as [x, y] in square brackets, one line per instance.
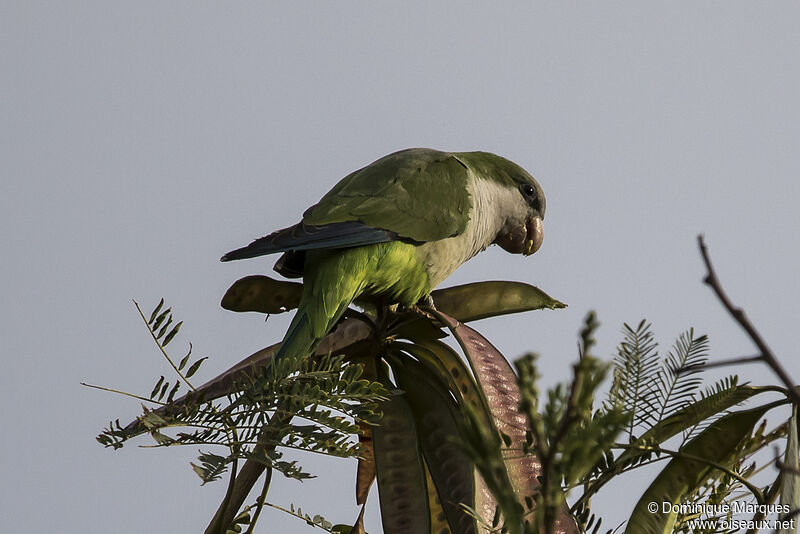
[161, 348]
[260, 501]
[249, 474]
[110, 390]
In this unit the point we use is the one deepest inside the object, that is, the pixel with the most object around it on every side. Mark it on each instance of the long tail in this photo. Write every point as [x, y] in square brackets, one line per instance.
[300, 340]
[317, 314]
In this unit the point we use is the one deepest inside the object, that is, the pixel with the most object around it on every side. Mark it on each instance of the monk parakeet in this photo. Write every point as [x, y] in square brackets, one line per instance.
[396, 229]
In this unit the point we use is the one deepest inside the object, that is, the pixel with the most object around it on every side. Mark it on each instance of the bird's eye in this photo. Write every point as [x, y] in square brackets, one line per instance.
[528, 190]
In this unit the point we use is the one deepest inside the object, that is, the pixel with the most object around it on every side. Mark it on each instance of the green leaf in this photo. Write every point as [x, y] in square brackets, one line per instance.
[161, 439]
[185, 359]
[700, 410]
[157, 387]
[677, 382]
[790, 482]
[172, 334]
[164, 329]
[691, 468]
[243, 518]
[262, 294]
[438, 519]
[636, 369]
[152, 419]
[687, 417]
[213, 465]
[357, 528]
[401, 473]
[155, 311]
[346, 334]
[160, 319]
[173, 391]
[438, 423]
[445, 363]
[163, 390]
[198, 470]
[415, 327]
[194, 367]
[470, 302]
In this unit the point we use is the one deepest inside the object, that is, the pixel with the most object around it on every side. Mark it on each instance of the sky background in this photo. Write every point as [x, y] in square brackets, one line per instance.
[140, 142]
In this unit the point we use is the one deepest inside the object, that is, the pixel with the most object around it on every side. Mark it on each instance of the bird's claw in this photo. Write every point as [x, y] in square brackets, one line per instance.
[427, 301]
[424, 307]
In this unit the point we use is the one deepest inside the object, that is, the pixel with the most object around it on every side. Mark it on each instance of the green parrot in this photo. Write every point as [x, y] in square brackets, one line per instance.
[395, 229]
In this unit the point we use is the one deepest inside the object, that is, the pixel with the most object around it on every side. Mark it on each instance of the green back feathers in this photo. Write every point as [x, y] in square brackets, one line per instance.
[419, 194]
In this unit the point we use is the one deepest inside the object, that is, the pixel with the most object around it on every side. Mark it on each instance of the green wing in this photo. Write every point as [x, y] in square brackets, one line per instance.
[419, 194]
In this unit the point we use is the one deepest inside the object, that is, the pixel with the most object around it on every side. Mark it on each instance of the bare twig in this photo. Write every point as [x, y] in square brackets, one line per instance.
[739, 316]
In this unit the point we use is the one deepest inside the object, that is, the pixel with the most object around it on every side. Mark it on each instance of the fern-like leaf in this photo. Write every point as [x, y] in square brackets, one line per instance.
[720, 393]
[636, 367]
[678, 379]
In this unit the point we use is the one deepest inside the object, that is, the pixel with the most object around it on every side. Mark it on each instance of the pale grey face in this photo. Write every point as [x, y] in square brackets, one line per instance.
[520, 203]
[523, 232]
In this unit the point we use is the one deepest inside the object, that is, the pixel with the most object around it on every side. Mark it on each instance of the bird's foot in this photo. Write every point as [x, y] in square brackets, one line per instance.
[427, 301]
[424, 307]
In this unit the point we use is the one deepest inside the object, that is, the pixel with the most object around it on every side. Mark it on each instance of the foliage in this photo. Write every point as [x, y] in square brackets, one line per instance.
[649, 388]
[711, 451]
[568, 434]
[331, 403]
[323, 392]
[714, 457]
[457, 440]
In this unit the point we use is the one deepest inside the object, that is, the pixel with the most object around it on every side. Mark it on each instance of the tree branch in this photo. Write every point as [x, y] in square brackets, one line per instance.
[739, 316]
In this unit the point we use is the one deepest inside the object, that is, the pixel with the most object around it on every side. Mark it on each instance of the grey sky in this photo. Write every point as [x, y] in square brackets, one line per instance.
[141, 142]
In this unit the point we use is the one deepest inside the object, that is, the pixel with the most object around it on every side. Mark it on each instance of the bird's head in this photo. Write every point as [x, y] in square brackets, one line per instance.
[521, 207]
[523, 232]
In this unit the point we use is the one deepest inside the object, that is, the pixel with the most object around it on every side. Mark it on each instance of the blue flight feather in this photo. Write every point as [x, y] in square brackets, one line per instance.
[308, 237]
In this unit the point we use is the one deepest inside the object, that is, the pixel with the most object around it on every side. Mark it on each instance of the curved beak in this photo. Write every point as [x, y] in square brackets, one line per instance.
[534, 234]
